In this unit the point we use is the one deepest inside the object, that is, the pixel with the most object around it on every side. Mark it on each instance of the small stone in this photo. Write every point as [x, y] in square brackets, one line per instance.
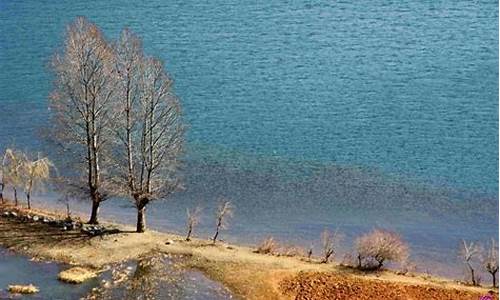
[14, 214]
[36, 218]
[169, 242]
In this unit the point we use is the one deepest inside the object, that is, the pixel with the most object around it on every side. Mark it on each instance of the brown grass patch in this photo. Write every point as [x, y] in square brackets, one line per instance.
[23, 289]
[76, 275]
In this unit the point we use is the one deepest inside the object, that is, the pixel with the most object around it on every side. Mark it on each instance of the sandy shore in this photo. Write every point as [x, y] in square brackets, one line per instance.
[247, 274]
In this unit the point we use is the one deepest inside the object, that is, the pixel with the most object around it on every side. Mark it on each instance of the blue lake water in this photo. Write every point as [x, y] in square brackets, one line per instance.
[306, 114]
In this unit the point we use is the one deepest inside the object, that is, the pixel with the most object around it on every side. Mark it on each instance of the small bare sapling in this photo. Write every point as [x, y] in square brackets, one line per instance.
[193, 219]
[469, 252]
[490, 260]
[329, 243]
[224, 212]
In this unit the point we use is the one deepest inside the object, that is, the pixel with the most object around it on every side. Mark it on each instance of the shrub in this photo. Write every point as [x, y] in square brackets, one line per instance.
[267, 246]
[378, 246]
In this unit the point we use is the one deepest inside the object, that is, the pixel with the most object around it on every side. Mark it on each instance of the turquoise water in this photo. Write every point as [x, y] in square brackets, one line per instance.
[307, 114]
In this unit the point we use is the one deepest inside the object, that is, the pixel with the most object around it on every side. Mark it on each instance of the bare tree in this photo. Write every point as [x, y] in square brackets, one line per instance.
[329, 242]
[224, 212]
[34, 175]
[12, 164]
[80, 106]
[469, 253]
[149, 131]
[3, 171]
[490, 260]
[193, 218]
[379, 246]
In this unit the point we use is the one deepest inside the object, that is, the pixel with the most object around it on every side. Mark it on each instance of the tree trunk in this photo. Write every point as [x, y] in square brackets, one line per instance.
[28, 193]
[95, 211]
[216, 234]
[380, 263]
[1, 192]
[188, 237]
[141, 220]
[473, 277]
[494, 276]
[15, 195]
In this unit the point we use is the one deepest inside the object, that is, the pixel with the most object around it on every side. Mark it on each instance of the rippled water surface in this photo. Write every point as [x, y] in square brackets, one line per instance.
[306, 114]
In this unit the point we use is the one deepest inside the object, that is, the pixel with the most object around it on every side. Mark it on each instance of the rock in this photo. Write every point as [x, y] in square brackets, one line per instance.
[55, 223]
[169, 242]
[23, 289]
[6, 214]
[14, 214]
[36, 218]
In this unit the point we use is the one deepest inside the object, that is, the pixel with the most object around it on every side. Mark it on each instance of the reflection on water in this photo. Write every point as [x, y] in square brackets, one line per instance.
[157, 276]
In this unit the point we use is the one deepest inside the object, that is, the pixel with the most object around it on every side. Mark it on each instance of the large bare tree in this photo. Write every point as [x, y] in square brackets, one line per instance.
[81, 107]
[148, 129]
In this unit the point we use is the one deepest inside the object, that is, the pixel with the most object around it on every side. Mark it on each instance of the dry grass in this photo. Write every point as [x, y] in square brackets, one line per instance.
[76, 275]
[273, 247]
[23, 289]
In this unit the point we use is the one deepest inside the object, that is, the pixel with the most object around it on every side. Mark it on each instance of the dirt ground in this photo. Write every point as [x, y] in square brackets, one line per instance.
[247, 274]
[318, 286]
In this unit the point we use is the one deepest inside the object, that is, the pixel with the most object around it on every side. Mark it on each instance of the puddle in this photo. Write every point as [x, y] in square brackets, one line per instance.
[18, 269]
[158, 277]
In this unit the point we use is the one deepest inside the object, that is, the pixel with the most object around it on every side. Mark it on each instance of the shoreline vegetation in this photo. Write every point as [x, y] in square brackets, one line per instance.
[247, 273]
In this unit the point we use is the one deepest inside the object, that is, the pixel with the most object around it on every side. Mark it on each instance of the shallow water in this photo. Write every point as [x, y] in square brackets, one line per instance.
[159, 277]
[306, 115]
[18, 269]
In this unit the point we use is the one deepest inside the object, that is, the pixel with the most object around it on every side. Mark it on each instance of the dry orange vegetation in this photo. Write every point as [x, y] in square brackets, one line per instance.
[247, 274]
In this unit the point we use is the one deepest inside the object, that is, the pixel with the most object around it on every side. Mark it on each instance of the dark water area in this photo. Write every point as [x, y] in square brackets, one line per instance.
[305, 115]
[18, 269]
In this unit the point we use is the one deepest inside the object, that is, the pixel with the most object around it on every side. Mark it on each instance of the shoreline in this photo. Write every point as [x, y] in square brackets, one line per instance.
[246, 274]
